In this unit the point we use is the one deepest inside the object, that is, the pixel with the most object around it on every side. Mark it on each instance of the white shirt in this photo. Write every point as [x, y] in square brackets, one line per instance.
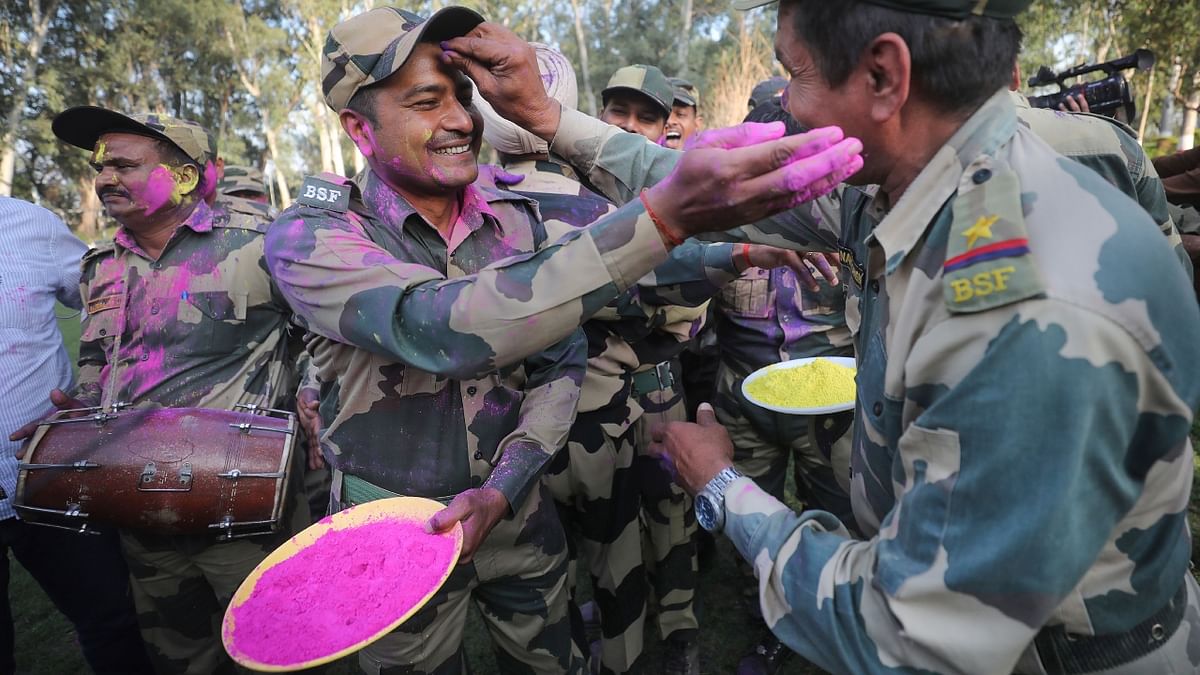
[39, 263]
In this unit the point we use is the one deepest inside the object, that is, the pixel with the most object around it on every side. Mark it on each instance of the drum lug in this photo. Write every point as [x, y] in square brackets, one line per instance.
[150, 470]
[246, 428]
[79, 466]
[235, 474]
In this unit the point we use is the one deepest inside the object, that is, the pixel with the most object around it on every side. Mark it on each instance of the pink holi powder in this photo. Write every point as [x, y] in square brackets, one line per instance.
[159, 188]
[347, 586]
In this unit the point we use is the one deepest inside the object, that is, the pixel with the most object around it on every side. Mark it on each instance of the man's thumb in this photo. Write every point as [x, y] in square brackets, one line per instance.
[446, 518]
[706, 416]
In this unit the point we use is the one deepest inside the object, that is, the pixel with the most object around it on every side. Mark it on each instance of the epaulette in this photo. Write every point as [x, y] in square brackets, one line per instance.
[326, 191]
[95, 254]
[988, 263]
[224, 217]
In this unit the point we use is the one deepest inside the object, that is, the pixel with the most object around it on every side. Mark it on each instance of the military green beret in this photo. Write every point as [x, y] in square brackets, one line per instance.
[648, 81]
[368, 47]
[951, 9]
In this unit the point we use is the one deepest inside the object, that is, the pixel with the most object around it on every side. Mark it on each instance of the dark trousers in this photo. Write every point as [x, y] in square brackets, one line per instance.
[86, 578]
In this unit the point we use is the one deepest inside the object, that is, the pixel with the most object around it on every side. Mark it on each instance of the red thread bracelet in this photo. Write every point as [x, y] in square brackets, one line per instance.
[672, 238]
[744, 252]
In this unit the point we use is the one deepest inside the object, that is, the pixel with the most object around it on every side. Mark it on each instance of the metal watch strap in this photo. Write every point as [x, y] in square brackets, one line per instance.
[715, 489]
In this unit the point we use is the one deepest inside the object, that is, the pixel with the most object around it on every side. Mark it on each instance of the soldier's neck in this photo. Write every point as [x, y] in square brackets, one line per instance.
[439, 210]
[153, 234]
[919, 136]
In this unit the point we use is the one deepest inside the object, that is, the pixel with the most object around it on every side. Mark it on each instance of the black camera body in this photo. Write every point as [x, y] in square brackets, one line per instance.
[1106, 96]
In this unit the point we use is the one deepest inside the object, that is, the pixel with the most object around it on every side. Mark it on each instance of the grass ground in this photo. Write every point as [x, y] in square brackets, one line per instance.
[46, 643]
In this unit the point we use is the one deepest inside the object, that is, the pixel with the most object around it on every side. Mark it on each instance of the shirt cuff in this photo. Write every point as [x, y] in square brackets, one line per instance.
[719, 263]
[579, 139]
[518, 471]
[747, 507]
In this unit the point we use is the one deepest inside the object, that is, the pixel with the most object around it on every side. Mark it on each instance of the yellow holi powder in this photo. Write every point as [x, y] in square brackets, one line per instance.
[818, 384]
[98, 155]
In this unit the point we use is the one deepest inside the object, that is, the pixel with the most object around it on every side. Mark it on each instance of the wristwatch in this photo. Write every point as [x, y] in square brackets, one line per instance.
[710, 502]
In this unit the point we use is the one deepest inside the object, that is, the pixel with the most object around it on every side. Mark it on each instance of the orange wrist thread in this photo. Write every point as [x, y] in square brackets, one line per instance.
[672, 238]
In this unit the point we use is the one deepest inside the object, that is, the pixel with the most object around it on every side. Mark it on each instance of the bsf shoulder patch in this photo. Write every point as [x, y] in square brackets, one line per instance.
[323, 194]
[988, 263]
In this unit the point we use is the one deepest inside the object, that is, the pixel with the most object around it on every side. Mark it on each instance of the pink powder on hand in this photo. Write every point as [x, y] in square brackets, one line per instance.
[344, 588]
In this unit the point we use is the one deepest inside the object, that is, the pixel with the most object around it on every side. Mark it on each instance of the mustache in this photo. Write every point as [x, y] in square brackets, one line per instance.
[450, 139]
[105, 191]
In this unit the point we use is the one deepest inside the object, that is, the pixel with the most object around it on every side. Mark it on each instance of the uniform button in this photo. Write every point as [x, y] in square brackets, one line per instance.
[154, 310]
[981, 176]
[471, 390]
[478, 455]
[145, 357]
[877, 408]
[156, 265]
[875, 286]
[103, 332]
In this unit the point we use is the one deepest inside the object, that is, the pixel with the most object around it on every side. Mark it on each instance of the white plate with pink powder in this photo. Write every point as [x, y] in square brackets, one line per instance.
[339, 585]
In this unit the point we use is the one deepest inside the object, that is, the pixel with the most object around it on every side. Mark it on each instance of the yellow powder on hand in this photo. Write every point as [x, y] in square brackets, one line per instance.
[818, 384]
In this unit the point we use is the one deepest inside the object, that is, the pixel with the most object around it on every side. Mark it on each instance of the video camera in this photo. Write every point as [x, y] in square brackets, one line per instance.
[1104, 97]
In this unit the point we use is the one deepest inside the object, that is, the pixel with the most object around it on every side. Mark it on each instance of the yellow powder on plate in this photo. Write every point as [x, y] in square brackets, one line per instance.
[817, 384]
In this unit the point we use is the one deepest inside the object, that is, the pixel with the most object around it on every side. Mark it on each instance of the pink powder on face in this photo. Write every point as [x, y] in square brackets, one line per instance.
[159, 189]
[344, 588]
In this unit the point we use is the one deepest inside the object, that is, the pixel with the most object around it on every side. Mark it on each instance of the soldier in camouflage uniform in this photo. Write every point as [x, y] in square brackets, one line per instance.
[595, 482]
[473, 433]
[242, 189]
[1022, 462]
[180, 313]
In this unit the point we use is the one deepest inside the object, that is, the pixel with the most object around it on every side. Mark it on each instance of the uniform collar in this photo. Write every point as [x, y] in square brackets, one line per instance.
[479, 202]
[198, 221]
[901, 227]
[525, 167]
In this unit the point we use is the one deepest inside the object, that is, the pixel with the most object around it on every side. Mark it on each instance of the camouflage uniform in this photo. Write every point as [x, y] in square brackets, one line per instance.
[201, 326]
[367, 275]
[1111, 149]
[601, 480]
[974, 306]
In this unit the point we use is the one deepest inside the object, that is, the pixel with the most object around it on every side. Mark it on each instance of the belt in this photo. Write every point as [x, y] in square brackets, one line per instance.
[358, 491]
[1062, 652]
[658, 378]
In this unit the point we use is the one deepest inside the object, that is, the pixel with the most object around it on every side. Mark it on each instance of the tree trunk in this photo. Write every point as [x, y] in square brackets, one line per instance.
[1166, 123]
[318, 117]
[285, 196]
[1187, 136]
[589, 96]
[685, 38]
[334, 132]
[88, 228]
[39, 22]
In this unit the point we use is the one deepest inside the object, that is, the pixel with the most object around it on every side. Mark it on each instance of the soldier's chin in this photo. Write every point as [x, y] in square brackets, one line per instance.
[675, 143]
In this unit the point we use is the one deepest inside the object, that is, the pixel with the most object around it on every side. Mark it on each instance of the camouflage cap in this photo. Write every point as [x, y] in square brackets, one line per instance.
[951, 9]
[83, 125]
[685, 92]
[766, 90]
[367, 48]
[646, 80]
[241, 179]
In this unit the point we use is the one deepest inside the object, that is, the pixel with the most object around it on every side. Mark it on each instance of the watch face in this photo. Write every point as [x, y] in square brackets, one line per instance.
[706, 512]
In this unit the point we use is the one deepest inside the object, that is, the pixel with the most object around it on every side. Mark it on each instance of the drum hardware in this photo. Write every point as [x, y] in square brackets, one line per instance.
[227, 525]
[246, 427]
[185, 478]
[73, 510]
[81, 465]
[238, 473]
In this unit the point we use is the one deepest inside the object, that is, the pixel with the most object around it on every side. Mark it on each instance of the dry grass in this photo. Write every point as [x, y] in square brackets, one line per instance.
[749, 62]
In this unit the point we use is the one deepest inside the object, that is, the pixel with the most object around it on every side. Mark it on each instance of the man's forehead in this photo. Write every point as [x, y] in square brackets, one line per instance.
[126, 142]
[424, 68]
[632, 98]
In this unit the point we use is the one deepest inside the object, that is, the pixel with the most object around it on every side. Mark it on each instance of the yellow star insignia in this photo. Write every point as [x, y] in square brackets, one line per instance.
[982, 229]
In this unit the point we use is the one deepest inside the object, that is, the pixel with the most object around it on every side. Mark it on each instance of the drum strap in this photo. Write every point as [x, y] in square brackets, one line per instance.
[110, 395]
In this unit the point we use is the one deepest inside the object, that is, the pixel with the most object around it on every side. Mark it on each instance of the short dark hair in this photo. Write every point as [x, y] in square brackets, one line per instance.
[772, 111]
[363, 103]
[174, 156]
[957, 65]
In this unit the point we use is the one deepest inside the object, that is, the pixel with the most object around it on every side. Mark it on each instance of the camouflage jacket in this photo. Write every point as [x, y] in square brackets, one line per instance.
[1110, 149]
[411, 398]
[767, 316]
[648, 324]
[201, 326]
[1026, 385]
